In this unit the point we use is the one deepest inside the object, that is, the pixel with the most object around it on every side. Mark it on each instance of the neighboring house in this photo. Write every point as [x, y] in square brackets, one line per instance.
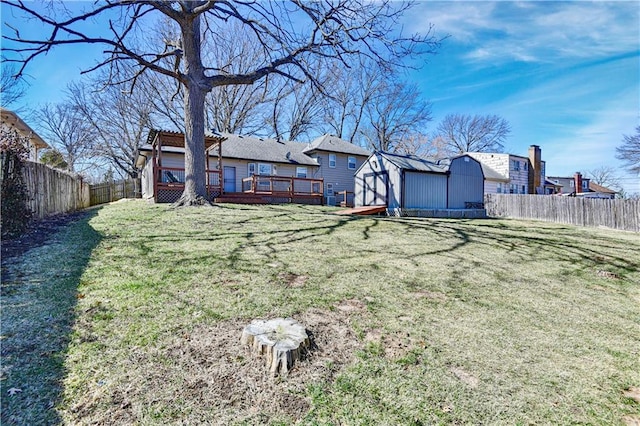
[251, 165]
[585, 188]
[12, 120]
[513, 174]
[410, 182]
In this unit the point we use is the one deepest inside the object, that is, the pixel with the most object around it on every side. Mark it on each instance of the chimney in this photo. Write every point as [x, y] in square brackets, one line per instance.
[535, 169]
[577, 182]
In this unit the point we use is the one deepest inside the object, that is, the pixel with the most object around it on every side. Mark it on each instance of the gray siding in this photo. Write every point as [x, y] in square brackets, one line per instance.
[425, 190]
[341, 176]
[466, 182]
[378, 175]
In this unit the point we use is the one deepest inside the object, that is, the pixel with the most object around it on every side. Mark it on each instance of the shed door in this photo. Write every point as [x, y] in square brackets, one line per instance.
[375, 189]
[229, 179]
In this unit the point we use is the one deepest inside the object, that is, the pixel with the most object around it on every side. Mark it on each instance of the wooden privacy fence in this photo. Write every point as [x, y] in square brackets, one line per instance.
[114, 191]
[53, 191]
[617, 214]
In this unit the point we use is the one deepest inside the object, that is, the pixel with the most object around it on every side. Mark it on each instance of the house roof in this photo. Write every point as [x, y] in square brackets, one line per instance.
[599, 188]
[265, 149]
[332, 143]
[241, 147]
[413, 162]
[12, 119]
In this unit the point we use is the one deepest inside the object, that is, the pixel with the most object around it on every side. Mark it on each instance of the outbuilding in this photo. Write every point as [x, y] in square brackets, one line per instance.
[408, 182]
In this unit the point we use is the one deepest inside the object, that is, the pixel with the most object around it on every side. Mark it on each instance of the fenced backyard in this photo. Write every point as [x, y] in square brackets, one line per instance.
[113, 191]
[53, 191]
[593, 212]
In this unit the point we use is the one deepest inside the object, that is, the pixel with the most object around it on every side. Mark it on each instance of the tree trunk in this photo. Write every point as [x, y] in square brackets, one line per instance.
[195, 90]
[281, 341]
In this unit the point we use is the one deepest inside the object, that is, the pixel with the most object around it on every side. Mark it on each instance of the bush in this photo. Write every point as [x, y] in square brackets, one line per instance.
[15, 211]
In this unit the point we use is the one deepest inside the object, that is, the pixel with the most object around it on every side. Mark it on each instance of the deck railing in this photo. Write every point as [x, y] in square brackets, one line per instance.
[170, 183]
[283, 186]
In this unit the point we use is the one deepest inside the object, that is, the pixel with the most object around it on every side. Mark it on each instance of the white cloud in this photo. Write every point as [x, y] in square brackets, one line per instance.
[535, 31]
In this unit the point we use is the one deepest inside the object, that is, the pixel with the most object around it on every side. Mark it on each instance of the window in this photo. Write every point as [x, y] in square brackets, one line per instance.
[526, 166]
[571, 183]
[264, 169]
[251, 169]
[499, 188]
[332, 161]
[352, 163]
[524, 189]
[329, 189]
[301, 172]
[513, 189]
[585, 184]
[515, 165]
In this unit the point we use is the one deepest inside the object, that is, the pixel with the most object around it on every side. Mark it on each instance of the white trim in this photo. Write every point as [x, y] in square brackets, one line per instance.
[335, 161]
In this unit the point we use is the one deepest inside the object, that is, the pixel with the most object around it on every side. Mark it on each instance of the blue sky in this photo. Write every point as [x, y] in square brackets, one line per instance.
[566, 75]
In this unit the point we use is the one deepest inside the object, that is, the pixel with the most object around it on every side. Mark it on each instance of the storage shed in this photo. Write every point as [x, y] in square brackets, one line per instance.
[405, 182]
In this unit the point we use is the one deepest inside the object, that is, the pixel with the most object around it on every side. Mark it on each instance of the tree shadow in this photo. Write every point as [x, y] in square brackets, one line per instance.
[39, 295]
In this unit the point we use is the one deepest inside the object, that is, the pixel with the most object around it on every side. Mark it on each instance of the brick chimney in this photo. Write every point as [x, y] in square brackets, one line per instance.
[535, 168]
[577, 182]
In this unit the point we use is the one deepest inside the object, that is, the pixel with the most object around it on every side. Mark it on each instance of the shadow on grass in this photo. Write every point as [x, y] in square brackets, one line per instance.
[39, 295]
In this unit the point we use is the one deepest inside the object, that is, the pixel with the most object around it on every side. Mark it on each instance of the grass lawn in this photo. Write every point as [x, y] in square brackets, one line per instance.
[133, 315]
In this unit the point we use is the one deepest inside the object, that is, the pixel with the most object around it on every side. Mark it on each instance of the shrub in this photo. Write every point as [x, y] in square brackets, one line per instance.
[15, 212]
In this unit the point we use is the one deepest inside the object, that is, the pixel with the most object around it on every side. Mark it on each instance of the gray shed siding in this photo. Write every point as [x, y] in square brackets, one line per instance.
[425, 190]
[387, 183]
[466, 182]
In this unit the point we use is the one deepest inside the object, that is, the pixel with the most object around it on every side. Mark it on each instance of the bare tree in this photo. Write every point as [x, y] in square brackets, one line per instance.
[67, 131]
[479, 133]
[12, 87]
[120, 121]
[352, 90]
[397, 112]
[629, 151]
[605, 176]
[291, 36]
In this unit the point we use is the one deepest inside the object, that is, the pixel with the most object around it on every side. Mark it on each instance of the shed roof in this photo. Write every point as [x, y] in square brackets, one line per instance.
[413, 162]
[332, 143]
[176, 139]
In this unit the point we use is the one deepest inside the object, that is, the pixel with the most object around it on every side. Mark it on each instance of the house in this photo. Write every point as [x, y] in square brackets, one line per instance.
[580, 186]
[513, 174]
[407, 182]
[338, 161]
[13, 121]
[244, 168]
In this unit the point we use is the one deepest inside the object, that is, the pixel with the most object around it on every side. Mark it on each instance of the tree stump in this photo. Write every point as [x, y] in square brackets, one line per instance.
[281, 340]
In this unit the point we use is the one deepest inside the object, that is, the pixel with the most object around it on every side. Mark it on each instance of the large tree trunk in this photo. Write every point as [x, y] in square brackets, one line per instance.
[195, 190]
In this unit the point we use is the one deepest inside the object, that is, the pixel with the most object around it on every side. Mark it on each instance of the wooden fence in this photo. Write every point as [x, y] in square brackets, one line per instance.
[617, 214]
[53, 191]
[114, 191]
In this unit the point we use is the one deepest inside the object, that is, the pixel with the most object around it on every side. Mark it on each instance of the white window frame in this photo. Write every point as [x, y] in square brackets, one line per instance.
[332, 161]
[526, 166]
[330, 190]
[301, 172]
[262, 168]
[585, 184]
[351, 164]
[251, 169]
[499, 188]
[516, 165]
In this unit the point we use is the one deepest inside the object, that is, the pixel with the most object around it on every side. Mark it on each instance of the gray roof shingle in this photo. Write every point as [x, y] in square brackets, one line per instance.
[332, 143]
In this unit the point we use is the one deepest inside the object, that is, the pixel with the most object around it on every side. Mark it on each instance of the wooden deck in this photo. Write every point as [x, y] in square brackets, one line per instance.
[362, 211]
